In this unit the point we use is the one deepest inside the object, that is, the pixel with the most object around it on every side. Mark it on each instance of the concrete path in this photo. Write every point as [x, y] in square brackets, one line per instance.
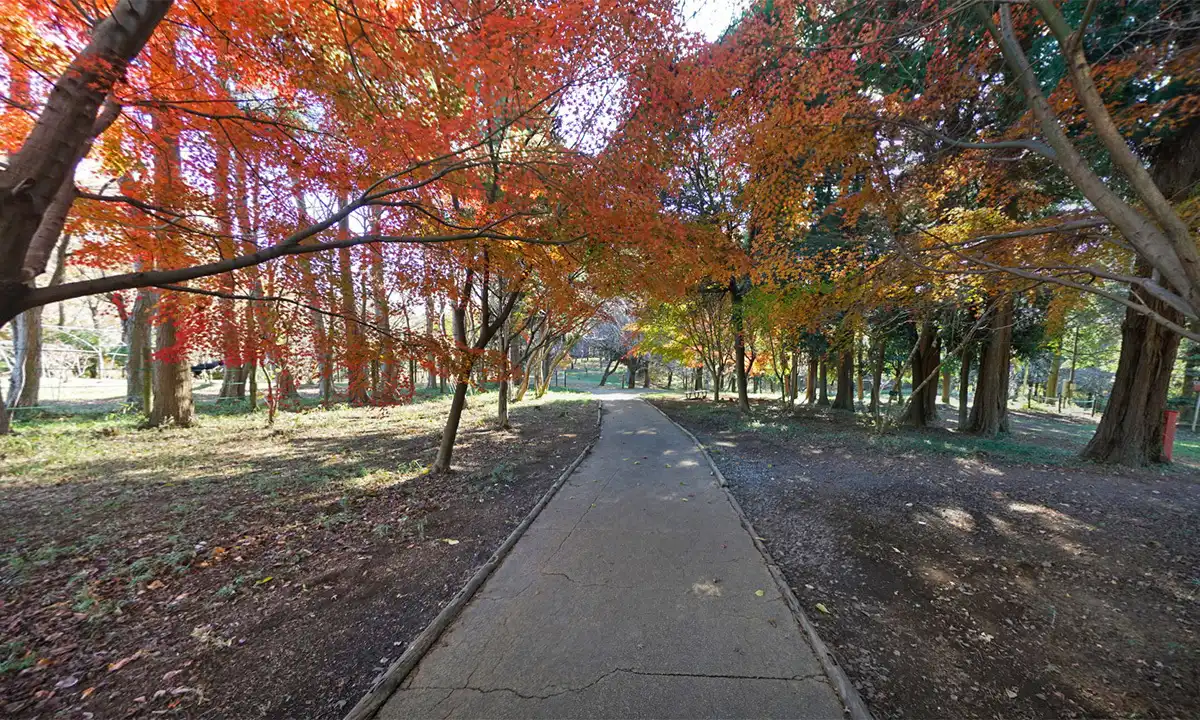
[636, 593]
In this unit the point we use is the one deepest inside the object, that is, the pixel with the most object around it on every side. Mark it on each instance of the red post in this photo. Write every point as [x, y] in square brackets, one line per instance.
[1170, 418]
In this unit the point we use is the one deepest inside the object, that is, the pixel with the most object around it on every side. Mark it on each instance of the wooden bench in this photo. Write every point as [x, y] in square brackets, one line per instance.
[694, 394]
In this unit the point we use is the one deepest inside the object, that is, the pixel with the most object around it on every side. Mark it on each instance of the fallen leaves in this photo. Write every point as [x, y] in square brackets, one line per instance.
[115, 666]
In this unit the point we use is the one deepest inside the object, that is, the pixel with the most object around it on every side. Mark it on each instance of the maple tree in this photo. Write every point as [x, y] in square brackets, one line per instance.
[259, 155]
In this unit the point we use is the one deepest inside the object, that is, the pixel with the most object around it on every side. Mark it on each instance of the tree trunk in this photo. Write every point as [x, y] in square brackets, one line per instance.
[922, 405]
[1130, 432]
[716, 386]
[1052, 379]
[137, 333]
[25, 381]
[612, 365]
[172, 403]
[502, 394]
[947, 378]
[739, 344]
[450, 432]
[877, 376]
[823, 382]
[964, 383]
[431, 360]
[989, 412]
[355, 353]
[860, 368]
[845, 381]
[810, 385]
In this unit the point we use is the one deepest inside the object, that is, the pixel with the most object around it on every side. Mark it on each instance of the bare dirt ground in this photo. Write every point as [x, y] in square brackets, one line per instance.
[239, 571]
[956, 584]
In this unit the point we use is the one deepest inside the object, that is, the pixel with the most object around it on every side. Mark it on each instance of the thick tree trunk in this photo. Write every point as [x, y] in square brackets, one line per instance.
[989, 412]
[845, 381]
[172, 404]
[1130, 432]
[25, 382]
[922, 405]
[964, 383]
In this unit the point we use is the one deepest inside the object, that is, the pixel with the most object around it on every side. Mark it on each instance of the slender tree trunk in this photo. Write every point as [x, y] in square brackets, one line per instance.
[1052, 379]
[845, 381]
[964, 383]
[431, 360]
[860, 368]
[612, 365]
[355, 350]
[716, 386]
[450, 432]
[794, 390]
[989, 412]
[810, 386]
[1070, 390]
[505, 370]
[137, 368]
[739, 344]
[877, 376]
[947, 379]
[823, 382]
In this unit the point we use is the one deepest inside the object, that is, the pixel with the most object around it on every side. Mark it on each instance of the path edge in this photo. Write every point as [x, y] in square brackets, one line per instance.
[390, 680]
[855, 707]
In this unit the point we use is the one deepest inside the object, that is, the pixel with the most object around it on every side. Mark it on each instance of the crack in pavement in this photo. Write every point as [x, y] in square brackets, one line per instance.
[628, 671]
[581, 583]
[590, 507]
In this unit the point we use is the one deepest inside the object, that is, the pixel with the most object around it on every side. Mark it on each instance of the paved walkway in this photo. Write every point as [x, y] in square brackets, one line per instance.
[636, 593]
